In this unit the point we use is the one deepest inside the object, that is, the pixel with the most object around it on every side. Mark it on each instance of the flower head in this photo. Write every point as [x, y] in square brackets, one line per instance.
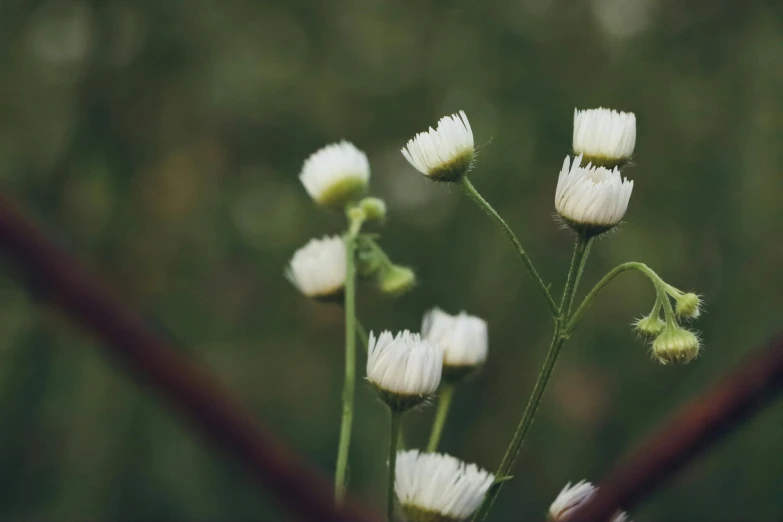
[574, 496]
[649, 325]
[318, 268]
[605, 137]
[445, 153]
[688, 306]
[591, 199]
[569, 498]
[463, 338]
[433, 486]
[676, 345]
[405, 370]
[336, 174]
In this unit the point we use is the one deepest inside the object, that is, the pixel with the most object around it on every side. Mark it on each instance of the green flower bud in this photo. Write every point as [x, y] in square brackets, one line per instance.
[374, 209]
[396, 280]
[676, 346]
[649, 326]
[688, 306]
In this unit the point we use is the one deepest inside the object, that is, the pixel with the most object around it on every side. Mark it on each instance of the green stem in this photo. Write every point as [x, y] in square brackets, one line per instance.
[349, 386]
[633, 265]
[401, 437]
[663, 297]
[559, 337]
[394, 434]
[502, 474]
[465, 184]
[362, 334]
[444, 401]
[585, 244]
[581, 249]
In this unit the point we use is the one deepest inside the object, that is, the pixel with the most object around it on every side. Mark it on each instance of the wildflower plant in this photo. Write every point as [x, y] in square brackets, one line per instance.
[591, 196]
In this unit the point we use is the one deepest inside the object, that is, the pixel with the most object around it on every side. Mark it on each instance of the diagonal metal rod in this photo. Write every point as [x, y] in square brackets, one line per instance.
[693, 429]
[188, 387]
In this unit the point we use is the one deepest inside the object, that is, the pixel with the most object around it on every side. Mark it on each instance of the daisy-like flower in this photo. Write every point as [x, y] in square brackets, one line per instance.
[336, 174]
[676, 345]
[405, 370]
[574, 496]
[318, 268]
[463, 338]
[436, 487]
[591, 199]
[605, 137]
[445, 153]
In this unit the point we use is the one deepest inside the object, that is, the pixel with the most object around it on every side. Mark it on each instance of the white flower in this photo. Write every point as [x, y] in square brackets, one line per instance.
[432, 482]
[318, 268]
[606, 137]
[569, 498]
[463, 337]
[336, 174]
[591, 198]
[405, 369]
[574, 496]
[445, 153]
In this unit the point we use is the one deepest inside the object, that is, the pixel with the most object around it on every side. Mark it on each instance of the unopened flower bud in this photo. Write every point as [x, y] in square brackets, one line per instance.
[676, 346]
[396, 280]
[374, 209]
[688, 306]
[649, 326]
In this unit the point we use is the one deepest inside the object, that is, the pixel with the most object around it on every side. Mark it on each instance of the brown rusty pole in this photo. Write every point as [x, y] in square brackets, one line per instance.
[187, 386]
[694, 428]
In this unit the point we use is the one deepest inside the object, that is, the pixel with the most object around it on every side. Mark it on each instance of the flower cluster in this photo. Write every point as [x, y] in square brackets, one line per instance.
[672, 343]
[407, 369]
[592, 196]
[336, 177]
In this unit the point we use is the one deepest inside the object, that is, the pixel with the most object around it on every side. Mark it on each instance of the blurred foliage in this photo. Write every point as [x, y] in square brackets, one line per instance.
[161, 141]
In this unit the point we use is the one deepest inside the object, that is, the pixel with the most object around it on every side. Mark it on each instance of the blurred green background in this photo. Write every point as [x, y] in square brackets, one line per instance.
[161, 142]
